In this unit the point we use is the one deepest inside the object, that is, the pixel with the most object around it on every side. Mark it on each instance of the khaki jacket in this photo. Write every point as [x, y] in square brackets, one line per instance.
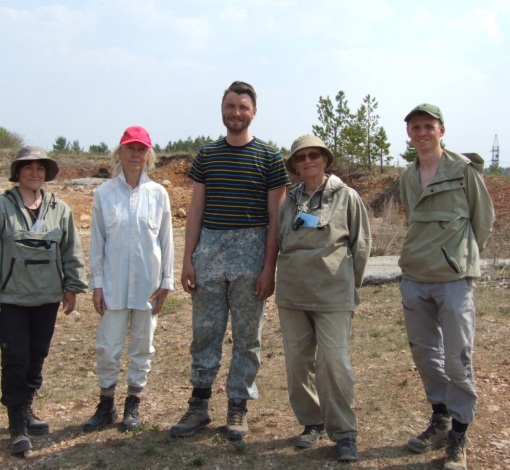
[38, 266]
[449, 222]
[319, 268]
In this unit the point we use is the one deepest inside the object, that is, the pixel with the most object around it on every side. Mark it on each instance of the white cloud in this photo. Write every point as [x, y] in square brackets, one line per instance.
[233, 14]
[502, 5]
[479, 22]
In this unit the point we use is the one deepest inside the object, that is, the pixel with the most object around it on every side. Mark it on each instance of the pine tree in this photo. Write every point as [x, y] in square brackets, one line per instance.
[334, 120]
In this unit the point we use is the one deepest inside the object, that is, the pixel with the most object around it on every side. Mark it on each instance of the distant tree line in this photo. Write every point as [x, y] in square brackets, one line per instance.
[10, 140]
[356, 139]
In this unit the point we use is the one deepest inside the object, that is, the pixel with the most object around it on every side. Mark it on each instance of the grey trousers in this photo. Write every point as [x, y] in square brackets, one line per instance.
[227, 264]
[440, 323]
[319, 374]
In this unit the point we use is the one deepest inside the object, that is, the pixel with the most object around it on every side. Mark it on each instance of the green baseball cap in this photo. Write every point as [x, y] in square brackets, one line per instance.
[430, 109]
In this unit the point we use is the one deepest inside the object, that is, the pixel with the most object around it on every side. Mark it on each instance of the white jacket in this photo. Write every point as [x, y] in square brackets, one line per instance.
[131, 248]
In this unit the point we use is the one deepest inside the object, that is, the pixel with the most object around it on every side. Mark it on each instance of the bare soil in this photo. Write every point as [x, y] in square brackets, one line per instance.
[389, 398]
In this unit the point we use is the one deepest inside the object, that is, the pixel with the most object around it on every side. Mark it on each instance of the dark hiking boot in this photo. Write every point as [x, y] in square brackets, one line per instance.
[106, 413]
[20, 442]
[131, 418]
[197, 417]
[433, 437]
[347, 449]
[35, 425]
[456, 446]
[237, 424]
[311, 436]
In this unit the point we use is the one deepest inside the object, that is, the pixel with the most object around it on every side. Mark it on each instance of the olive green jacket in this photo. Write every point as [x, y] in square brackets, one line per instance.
[449, 221]
[319, 268]
[38, 266]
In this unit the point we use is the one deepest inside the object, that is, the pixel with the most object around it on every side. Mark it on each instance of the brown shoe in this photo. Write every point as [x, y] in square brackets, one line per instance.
[455, 452]
[433, 437]
[237, 424]
[197, 417]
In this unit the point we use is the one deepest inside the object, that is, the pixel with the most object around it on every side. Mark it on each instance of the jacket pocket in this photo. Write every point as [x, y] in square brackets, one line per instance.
[451, 261]
[155, 214]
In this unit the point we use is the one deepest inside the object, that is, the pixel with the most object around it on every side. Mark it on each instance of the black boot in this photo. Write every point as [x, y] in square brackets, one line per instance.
[106, 413]
[18, 428]
[131, 417]
[35, 426]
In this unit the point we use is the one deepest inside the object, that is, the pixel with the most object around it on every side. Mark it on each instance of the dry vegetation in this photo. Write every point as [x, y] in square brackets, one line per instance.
[389, 396]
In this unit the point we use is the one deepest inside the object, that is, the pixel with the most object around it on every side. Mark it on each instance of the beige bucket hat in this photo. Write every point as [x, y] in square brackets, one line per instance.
[305, 141]
[34, 153]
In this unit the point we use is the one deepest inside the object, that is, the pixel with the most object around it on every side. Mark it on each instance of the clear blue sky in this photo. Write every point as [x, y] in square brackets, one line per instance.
[87, 69]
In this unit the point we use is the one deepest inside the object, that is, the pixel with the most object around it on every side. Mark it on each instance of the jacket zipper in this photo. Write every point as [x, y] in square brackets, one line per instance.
[60, 275]
[449, 261]
[4, 285]
[445, 181]
[29, 262]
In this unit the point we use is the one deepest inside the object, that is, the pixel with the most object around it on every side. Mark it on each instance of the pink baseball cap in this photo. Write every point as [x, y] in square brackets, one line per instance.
[136, 134]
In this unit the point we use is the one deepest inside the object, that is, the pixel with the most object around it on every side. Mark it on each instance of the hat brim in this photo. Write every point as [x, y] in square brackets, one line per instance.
[51, 166]
[130, 141]
[329, 163]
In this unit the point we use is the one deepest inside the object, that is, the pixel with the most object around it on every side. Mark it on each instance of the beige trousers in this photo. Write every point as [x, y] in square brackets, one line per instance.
[319, 374]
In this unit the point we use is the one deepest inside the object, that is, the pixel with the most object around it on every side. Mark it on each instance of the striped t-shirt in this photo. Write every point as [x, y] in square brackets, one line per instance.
[237, 180]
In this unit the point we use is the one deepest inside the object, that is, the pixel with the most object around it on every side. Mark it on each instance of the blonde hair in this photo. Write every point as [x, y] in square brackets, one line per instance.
[117, 165]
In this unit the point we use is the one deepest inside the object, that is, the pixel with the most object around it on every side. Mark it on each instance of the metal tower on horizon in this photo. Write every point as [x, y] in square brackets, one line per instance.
[495, 152]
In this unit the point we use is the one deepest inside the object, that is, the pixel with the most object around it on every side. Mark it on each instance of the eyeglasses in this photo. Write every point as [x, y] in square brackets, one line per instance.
[302, 156]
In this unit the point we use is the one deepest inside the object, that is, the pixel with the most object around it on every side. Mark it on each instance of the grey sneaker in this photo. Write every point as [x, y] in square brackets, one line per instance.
[197, 417]
[455, 452]
[433, 437]
[237, 424]
[347, 449]
[310, 436]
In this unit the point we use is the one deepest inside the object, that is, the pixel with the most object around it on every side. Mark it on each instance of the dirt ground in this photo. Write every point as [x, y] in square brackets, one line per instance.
[389, 398]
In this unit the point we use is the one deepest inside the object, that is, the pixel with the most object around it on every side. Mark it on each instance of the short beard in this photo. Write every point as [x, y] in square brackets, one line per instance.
[235, 130]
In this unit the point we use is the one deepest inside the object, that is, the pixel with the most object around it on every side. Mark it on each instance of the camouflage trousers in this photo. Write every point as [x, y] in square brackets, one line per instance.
[227, 264]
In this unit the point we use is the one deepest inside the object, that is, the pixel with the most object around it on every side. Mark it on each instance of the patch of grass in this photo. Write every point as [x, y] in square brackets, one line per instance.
[149, 450]
[172, 306]
[100, 463]
[403, 383]
[198, 461]
[375, 334]
[218, 439]
[504, 310]
[240, 446]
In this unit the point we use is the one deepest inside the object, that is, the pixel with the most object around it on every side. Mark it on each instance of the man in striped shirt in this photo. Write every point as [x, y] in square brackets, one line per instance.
[230, 257]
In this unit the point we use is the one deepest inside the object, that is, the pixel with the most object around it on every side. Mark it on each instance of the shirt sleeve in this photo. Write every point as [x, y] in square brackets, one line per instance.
[97, 244]
[197, 172]
[360, 238]
[167, 245]
[277, 175]
[71, 255]
[481, 210]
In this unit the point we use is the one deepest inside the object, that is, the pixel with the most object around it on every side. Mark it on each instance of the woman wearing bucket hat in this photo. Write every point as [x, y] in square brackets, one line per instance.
[41, 265]
[131, 261]
[324, 234]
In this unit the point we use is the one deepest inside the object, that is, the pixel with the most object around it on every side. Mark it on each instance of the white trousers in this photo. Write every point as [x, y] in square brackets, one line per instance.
[110, 338]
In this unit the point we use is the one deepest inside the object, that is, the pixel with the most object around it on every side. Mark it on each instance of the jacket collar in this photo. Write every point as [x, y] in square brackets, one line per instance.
[333, 184]
[144, 178]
